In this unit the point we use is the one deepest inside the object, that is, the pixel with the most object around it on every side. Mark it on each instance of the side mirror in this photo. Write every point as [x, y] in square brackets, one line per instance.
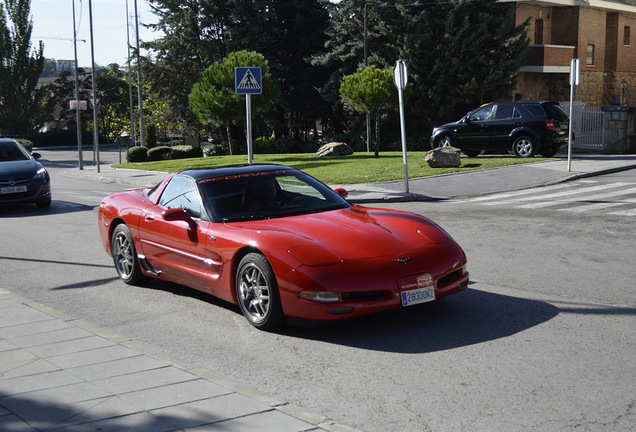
[178, 214]
[36, 155]
[342, 192]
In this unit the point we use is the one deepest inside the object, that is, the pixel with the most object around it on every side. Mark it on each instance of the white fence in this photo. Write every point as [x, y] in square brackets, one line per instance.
[588, 127]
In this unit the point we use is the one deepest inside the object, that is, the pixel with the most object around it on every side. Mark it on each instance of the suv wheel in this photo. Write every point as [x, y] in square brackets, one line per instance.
[445, 141]
[523, 146]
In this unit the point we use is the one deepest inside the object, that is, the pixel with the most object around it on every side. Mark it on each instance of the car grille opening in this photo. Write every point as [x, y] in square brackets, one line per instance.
[363, 295]
[450, 278]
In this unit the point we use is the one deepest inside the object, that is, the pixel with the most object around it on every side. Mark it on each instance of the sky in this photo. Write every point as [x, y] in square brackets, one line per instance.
[53, 25]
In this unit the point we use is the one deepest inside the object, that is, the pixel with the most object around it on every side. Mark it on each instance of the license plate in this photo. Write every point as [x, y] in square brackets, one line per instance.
[13, 189]
[417, 296]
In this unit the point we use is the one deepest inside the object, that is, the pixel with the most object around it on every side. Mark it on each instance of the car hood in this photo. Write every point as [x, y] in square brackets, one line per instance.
[352, 233]
[18, 169]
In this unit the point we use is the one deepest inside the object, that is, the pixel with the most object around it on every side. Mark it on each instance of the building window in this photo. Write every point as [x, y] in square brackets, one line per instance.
[538, 32]
[626, 35]
[590, 55]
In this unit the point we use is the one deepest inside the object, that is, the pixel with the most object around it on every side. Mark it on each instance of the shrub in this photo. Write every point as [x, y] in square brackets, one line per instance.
[186, 151]
[160, 153]
[137, 154]
[213, 150]
[269, 145]
[26, 143]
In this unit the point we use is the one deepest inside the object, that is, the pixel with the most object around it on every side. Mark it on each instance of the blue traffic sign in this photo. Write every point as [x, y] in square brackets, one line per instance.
[247, 80]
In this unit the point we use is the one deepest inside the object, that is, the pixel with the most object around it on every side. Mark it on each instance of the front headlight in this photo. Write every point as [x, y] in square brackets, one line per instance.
[41, 174]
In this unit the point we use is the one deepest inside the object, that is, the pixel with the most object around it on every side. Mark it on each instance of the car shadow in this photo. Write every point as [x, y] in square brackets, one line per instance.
[467, 318]
[28, 209]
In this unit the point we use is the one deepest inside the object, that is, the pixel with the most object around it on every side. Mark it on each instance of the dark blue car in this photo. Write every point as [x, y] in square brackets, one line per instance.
[22, 178]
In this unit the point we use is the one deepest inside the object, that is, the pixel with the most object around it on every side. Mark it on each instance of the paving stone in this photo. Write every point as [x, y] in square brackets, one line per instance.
[210, 410]
[98, 355]
[175, 394]
[145, 380]
[24, 384]
[72, 346]
[270, 421]
[50, 337]
[116, 368]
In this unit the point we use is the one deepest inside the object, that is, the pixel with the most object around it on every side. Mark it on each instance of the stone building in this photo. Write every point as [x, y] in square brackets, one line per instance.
[598, 32]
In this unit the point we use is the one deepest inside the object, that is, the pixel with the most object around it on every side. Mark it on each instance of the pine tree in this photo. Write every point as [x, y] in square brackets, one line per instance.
[22, 104]
[460, 54]
[193, 38]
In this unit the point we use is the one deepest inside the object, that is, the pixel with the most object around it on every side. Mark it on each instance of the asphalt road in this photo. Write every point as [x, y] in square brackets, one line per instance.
[542, 340]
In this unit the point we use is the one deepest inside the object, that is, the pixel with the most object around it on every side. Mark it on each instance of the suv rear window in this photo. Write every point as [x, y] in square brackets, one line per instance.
[535, 110]
[555, 112]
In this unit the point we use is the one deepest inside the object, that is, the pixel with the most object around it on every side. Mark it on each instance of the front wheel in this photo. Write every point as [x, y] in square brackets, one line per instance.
[523, 146]
[257, 292]
[125, 255]
[445, 141]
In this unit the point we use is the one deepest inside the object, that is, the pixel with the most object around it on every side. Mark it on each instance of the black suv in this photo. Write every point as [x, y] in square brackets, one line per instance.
[525, 128]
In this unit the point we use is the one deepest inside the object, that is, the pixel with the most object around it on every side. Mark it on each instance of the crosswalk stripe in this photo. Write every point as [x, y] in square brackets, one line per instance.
[520, 192]
[631, 212]
[560, 194]
[575, 199]
[596, 206]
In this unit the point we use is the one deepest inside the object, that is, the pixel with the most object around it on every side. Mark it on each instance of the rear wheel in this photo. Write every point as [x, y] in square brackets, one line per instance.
[125, 255]
[257, 292]
[523, 146]
[549, 152]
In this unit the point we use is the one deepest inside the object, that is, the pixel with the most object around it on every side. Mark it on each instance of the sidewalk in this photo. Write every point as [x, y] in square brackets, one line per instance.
[446, 186]
[63, 374]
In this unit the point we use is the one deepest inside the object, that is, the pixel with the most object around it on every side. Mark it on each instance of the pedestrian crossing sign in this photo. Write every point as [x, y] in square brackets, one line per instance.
[247, 80]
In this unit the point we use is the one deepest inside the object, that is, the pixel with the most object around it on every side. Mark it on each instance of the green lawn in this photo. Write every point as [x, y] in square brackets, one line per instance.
[356, 168]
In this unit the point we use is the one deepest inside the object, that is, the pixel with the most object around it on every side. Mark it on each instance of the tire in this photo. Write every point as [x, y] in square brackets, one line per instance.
[549, 152]
[445, 141]
[257, 292]
[125, 256]
[472, 153]
[524, 146]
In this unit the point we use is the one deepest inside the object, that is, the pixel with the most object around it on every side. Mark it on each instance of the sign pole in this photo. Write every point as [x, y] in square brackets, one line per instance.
[247, 81]
[248, 125]
[400, 79]
[575, 77]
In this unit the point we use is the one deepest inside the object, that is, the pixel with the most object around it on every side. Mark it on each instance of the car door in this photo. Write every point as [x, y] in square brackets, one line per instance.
[476, 133]
[175, 236]
[506, 119]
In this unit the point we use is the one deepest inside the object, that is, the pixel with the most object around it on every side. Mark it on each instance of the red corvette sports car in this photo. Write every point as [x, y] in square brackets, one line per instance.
[278, 243]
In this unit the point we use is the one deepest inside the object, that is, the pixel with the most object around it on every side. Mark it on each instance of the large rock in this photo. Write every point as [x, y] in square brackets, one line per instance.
[443, 157]
[334, 149]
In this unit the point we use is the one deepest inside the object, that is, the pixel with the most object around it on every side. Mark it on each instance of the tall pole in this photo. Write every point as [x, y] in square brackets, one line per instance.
[133, 133]
[368, 115]
[95, 132]
[142, 134]
[78, 121]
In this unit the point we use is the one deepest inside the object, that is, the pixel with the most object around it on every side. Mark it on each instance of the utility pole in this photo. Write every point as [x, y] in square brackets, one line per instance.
[133, 132]
[142, 133]
[78, 121]
[368, 115]
[95, 131]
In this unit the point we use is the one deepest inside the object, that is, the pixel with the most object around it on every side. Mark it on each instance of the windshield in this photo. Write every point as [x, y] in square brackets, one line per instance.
[10, 151]
[266, 195]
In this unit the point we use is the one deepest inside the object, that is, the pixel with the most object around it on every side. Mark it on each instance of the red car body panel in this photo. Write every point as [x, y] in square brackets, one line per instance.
[367, 256]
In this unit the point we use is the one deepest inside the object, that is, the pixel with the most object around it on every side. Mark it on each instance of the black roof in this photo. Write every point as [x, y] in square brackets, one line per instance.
[203, 173]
